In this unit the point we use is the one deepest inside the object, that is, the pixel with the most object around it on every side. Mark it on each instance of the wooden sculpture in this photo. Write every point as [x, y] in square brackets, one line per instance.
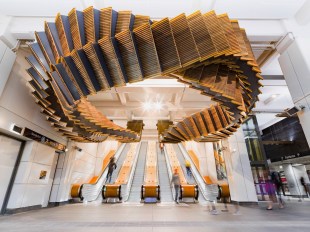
[94, 50]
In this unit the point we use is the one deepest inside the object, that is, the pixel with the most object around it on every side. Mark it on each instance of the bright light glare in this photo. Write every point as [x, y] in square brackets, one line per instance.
[158, 106]
[147, 105]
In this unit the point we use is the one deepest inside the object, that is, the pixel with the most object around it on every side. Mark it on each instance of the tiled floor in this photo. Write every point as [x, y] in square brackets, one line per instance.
[159, 218]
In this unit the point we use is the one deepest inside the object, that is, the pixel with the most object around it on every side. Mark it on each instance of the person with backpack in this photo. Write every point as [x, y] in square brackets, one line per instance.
[111, 167]
[274, 185]
[188, 168]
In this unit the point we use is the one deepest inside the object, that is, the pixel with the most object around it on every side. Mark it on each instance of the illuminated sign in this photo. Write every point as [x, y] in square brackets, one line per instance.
[43, 139]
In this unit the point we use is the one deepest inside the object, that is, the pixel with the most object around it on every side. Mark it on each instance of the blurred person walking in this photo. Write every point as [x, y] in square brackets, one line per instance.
[274, 187]
[175, 180]
[111, 167]
[188, 168]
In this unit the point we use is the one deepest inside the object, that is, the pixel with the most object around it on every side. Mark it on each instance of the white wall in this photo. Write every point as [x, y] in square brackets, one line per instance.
[202, 153]
[84, 162]
[76, 167]
[29, 189]
[211, 162]
[238, 168]
[57, 177]
[8, 155]
[103, 150]
[295, 64]
[293, 174]
[7, 58]
[17, 106]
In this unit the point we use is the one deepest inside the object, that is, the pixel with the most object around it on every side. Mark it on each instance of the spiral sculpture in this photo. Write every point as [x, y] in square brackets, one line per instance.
[94, 50]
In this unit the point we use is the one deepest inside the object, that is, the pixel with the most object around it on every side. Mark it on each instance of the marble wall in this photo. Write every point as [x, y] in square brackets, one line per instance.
[8, 156]
[29, 189]
[239, 174]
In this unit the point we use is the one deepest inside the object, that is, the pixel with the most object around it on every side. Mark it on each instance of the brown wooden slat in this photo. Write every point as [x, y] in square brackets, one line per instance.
[129, 56]
[112, 61]
[75, 29]
[89, 25]
[184, 40]
[146, 50]
[165, 46]
[201, 35]
[93, 58]
[217, 33]
[62, 35]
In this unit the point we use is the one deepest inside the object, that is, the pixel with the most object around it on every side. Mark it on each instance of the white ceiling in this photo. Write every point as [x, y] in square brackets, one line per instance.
[274, 99]
[126, 103]
[240, 9]
[260, 18]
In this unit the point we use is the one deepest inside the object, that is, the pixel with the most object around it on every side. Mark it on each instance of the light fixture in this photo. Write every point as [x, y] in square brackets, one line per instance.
[147, 105]
[271, 98]
[158, 106]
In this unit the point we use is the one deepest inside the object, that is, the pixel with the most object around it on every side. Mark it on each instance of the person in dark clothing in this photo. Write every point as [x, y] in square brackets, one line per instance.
[303, 183]
[176, 183]
[275, 181]
[112, 165]
[188, 168]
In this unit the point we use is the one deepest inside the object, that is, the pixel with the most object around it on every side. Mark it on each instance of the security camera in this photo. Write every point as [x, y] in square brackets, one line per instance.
[77, 148]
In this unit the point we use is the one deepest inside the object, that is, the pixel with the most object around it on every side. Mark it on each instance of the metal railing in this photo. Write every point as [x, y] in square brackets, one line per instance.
[90, 192]
[130, 178]
[208, 191]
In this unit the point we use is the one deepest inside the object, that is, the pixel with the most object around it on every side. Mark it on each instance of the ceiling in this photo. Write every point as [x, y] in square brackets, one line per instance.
[240, 9]
[262, 20]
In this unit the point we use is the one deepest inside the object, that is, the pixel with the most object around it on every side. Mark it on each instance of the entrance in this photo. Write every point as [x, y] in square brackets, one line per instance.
[10, 150]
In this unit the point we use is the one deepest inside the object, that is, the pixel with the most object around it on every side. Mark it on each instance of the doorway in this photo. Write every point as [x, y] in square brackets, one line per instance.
[10, 154]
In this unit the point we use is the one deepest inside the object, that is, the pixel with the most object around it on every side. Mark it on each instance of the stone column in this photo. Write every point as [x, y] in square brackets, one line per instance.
[295, 64]
[238, 168]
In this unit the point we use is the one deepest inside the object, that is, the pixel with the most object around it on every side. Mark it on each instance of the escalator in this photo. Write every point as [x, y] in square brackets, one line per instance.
[119, 163]
[164, 180]
[135, 191]
[190, 179]
[122, 177]
[187, 190]
[209, 191]
[90, 192]
[150, 190]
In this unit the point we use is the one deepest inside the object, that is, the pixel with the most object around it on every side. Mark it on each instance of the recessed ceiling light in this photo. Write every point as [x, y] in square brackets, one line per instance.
[271, 98]
[147, 105]
[158, 106]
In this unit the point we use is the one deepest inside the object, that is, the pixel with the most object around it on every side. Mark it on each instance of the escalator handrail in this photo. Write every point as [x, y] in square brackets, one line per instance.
[157, 166]
[197, 174]
[169, 168]
[103, 174]
[146, 166]
[132, 171]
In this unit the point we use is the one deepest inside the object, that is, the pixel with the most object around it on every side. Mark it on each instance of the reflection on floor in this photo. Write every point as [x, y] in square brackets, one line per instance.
[159, 217]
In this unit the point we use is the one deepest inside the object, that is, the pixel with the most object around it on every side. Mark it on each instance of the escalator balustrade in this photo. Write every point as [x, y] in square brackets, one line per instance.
[150, 188]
